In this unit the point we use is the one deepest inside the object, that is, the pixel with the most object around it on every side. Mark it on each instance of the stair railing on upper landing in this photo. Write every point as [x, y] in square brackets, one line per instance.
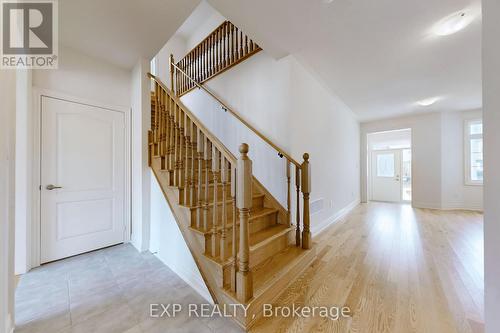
[176, 133]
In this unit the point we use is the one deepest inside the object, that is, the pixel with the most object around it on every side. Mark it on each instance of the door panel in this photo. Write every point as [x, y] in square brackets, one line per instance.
[83, 153]
[386, 175]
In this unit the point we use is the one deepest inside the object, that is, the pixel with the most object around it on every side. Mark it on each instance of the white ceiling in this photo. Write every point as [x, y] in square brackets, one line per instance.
[121, 31]
[377, 56]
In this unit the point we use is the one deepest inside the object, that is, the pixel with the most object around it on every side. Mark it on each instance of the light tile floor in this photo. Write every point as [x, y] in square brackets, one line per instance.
[108, 290]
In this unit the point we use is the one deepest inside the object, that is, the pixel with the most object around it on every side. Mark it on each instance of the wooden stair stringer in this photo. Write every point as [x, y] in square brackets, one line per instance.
[182, 217]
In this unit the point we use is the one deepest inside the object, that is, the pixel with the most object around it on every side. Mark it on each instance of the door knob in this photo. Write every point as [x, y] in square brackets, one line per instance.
[51, 187]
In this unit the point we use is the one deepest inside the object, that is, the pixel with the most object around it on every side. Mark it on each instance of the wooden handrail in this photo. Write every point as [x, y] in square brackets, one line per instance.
[280, 151]
[227, 154]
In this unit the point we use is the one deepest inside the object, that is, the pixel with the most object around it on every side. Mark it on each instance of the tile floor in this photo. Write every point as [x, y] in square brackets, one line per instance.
[108, 290]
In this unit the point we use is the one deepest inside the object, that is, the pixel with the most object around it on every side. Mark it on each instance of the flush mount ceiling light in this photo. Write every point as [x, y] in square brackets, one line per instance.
[453, 23]
[327, 1]
[428, 101]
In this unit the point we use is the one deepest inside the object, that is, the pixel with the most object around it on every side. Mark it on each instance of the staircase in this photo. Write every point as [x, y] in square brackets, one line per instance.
[241, 238]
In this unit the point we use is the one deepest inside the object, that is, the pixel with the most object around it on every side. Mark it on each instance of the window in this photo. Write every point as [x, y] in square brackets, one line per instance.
[385, 165]
[474, 152]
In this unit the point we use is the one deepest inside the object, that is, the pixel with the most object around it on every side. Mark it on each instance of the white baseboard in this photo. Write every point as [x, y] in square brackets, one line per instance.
[447, 206]
[475, 208]
[316, 229]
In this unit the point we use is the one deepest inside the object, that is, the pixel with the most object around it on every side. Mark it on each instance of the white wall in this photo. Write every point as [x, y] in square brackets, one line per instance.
[438, 159]
[284, 101]
[175, 46]
[168, 244]
[7, 198]
[390, 140]
[85, 77]
[24, 151]
[426, 155]
[491, 109]
[141, 122]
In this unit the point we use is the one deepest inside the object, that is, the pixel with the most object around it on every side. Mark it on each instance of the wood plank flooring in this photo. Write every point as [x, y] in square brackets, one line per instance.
[399, 269]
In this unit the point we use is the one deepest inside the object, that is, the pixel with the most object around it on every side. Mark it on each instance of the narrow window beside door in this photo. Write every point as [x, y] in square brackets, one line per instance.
[474, 152]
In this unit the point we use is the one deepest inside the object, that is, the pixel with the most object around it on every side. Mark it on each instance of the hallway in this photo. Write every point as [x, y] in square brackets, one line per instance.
[399, 269]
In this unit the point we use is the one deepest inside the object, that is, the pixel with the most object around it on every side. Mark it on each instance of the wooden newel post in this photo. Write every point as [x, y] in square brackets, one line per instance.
[244, 283]
[172, 85]
[306, 189]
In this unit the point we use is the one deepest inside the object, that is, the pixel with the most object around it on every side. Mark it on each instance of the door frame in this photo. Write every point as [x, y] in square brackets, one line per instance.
[34, 143]
[370, 173]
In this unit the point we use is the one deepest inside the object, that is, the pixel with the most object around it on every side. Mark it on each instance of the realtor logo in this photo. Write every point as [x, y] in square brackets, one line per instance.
[29, 34]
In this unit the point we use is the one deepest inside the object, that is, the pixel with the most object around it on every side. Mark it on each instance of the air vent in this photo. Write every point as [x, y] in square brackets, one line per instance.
[316, 206]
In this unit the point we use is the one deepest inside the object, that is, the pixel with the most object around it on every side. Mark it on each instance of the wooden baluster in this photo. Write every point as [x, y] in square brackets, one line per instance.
[171, 140]
[176, 145]
[207, 153]
[244, 278]
[235, 50]
[202, 61]
[167, 127]
[297, 217]
[306, 189]
[217, 52]
[231, 49]
[198, 69]
[246, 44]
[172, 87]
[224, 48]
[229, 43]
[221, 50]
[186, 71]
[215, 217]
[187, 179]
[234, 267]
[155, 129]
[288, 198]
[199, 194]
[179, 78]
[241, 45]
[163, 127]
[195, 65]
[158, 125]
[214, 52]
[190, 71]
[199, 73]
[192, 194]
[182, 145]
[207, 58]
[223, 178]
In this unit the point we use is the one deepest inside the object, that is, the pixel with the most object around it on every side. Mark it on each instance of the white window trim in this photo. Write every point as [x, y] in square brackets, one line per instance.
[467, 156]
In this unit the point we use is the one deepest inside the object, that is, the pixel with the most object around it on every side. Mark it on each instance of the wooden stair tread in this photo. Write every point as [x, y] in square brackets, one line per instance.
[272, 269]
[263, 211]
[267, 234]
[275, 266]
[229, 201]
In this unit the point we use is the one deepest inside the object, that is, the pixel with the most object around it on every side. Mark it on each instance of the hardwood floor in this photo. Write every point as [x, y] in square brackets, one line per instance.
[399, 269]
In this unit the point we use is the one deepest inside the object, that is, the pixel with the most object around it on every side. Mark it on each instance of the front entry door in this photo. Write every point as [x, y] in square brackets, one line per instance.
[386, 175]
[82, 178]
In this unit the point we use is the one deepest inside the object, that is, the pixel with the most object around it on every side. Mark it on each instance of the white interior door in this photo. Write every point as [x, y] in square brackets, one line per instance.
[386, 175]
[82, 178]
